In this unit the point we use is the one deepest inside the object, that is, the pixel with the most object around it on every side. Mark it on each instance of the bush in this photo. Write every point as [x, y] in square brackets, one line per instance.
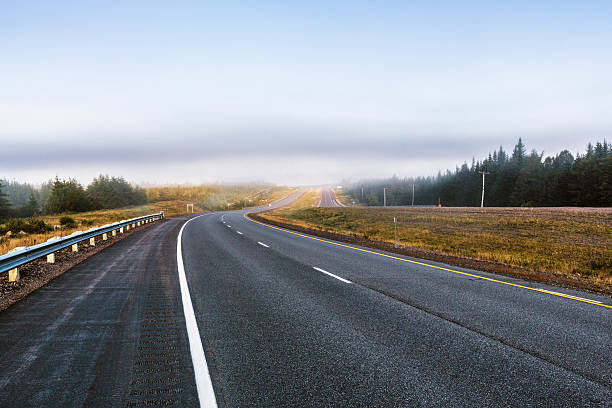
[31, 226]
[67, 222]
[87, 222]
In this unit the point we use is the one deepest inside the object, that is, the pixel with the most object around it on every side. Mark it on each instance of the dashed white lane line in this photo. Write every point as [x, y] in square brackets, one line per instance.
[262, 244]
[229, 226]
[238, 232]
[332, 275]
[206, 394]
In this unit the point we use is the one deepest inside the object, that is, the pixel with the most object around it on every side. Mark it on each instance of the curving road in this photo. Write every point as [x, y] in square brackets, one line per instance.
[328, 199]
[288, 320]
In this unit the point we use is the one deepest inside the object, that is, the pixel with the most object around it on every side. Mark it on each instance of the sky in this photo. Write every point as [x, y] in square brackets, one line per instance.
[294, 92]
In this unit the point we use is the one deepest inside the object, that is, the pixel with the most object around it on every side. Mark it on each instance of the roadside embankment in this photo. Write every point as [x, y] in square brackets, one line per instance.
[569, 247]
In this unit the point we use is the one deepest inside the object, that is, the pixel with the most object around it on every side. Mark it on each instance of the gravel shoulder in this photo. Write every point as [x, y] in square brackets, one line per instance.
[38, 273]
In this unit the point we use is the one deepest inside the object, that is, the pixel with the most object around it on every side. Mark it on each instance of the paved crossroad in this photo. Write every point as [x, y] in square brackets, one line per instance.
[287, 320]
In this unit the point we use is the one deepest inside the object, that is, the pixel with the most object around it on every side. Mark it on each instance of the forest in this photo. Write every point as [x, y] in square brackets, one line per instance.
[512, 180]
[19, 200]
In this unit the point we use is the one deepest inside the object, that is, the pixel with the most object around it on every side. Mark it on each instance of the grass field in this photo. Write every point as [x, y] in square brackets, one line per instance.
[570, 242]
[239, 196]
[90, 219]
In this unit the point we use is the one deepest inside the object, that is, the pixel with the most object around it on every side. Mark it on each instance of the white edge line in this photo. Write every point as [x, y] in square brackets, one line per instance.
[206, 393]
[332, 275]
[262, 244]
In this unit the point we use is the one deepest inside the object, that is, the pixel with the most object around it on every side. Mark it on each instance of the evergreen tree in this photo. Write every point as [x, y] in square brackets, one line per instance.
[114, 192]
[519, 180]
[31, 208]
[67, 196]
[5, 205]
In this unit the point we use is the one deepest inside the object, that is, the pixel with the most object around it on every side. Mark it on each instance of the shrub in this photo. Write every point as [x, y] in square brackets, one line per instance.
[67, 222]
[31, 226]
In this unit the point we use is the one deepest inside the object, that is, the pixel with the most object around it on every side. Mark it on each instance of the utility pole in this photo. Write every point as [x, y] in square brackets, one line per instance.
[361, 193]
[384, 196]
[483, 184]
[413, 194]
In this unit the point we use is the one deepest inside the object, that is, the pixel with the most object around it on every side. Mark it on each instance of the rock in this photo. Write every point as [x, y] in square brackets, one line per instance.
[22, 233]
[8, 234]
[57, 227]
[16, 249]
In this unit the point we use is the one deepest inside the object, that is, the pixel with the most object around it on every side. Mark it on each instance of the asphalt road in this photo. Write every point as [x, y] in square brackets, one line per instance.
[328, 199]
[362, 330]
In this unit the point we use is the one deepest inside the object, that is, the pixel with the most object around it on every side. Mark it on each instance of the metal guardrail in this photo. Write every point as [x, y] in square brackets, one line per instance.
[14, 259]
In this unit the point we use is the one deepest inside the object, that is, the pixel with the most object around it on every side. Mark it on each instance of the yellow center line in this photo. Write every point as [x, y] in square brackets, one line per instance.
[430, 266]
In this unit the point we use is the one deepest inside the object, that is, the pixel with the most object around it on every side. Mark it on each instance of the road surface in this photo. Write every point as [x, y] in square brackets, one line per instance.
[287, 320]
[328, 199]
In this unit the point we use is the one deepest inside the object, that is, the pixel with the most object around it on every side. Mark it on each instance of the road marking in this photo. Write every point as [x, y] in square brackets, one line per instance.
[592, 302]
[229, 226]
[238, 232]
[332, 275]
[570, 296]
[262, 244]
[206, 394]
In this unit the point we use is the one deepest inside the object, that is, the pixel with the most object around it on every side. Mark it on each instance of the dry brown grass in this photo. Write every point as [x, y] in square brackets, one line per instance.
[568, 242]
[92, 219]
[217, 196]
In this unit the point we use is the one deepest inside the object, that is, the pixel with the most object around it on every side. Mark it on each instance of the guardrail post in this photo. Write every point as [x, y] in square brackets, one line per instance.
[50, 248]
[14, 273]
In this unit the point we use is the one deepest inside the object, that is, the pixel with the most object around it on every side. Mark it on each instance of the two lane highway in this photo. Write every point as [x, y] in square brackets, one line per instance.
[295, 321]
[288, 320]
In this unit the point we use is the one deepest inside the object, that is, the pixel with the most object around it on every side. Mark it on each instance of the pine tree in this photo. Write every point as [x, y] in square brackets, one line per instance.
[31, 208]
[67, 196]
[5, 205]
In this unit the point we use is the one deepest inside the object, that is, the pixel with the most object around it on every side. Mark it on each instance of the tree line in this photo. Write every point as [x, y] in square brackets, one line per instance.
[59, 196]
[513, 179]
